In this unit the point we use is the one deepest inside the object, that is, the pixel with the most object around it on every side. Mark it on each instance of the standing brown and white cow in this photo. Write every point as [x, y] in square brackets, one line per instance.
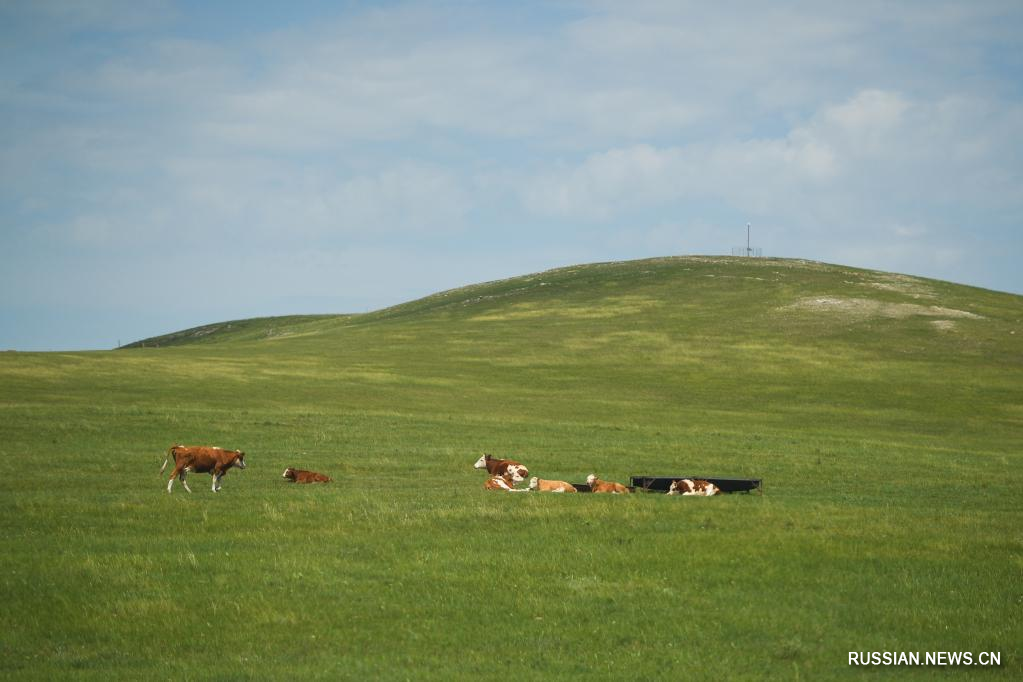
[201, 459]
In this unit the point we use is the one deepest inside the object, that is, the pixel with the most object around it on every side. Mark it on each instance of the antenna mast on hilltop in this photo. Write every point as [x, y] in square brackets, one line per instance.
[749, 251]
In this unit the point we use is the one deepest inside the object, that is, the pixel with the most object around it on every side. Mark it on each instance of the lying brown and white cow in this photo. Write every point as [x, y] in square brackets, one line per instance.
[303, 476]
[690, 486]
[599, 486]
[551, 486]
[500, 467]
[201, 459]
[503, 483]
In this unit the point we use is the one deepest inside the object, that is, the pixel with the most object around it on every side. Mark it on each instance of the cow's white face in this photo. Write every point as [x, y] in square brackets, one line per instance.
[286, 472]
[481, 463]
[534, 483]
[239, 461]
[591, 479]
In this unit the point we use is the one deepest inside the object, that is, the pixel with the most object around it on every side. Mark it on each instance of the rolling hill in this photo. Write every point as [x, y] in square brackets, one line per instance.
[763, 338]
[884, 413]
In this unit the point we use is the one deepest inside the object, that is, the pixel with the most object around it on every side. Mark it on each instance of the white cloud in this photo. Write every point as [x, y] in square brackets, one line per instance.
[750, 173]
[870, 113]
[405, 198]
[877, 153]
[606, 184]
[227, 199]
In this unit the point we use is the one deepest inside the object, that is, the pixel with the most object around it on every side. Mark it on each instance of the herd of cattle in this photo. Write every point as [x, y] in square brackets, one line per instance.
[503, 474]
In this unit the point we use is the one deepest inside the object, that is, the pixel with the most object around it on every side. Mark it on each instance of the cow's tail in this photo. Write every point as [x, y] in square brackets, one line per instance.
[166, 459]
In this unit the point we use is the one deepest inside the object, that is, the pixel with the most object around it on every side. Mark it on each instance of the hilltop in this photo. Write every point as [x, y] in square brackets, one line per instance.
[752, 298]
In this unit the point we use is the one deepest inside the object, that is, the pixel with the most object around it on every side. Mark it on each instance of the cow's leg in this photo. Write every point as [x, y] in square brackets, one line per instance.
[218, 474]
[184, 473]
[177, 473]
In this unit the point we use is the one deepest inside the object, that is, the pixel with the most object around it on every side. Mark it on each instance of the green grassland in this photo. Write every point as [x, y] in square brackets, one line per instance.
[883, 412]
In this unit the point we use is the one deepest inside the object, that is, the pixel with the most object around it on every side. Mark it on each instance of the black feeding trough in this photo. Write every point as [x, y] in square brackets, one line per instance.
[585, 488]
[661, 484]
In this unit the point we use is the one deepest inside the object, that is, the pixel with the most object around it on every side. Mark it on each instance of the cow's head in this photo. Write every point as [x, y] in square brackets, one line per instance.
[534, 483]
[289, 473]
[481, 463]
[239, 459]
[591, 479]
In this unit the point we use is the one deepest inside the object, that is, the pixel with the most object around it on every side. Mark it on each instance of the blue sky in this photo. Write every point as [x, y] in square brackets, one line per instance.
[169, 164]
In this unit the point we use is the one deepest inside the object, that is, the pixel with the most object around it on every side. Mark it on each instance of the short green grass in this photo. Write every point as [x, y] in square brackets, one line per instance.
[884, 413]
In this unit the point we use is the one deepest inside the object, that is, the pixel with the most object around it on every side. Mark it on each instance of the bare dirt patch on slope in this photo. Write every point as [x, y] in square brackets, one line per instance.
[865, 308]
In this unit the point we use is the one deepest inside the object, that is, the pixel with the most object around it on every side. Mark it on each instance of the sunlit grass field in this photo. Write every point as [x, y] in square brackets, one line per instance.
[884, 414]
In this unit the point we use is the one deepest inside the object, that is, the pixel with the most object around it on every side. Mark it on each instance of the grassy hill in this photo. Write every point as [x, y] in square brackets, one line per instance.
[235, 330]
[883, 412]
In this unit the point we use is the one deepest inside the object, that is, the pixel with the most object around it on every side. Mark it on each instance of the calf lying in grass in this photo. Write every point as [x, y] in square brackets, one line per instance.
[599, 486]
[303, 476]
[689, 486]
[551, 486]
[503, 483]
